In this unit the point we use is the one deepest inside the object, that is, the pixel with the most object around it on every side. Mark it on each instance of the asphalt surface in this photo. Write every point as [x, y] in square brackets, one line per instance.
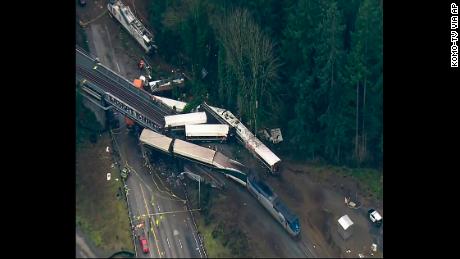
[83, 249]
[174, 236]
[173, 233]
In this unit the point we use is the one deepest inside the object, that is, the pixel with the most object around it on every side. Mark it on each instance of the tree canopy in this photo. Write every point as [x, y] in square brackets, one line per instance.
[314, 68]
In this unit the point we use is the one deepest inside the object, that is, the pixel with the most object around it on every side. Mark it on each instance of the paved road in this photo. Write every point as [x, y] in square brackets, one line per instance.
[82, 250]
[174, 235]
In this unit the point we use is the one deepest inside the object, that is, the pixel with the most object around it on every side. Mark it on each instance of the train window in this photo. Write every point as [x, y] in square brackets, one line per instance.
[295, 225]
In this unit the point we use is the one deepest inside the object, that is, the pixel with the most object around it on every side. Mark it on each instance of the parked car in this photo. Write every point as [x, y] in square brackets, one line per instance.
[375, 217]
[144, 244]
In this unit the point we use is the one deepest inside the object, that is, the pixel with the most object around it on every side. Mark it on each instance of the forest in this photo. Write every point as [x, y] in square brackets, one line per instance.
[313, 68]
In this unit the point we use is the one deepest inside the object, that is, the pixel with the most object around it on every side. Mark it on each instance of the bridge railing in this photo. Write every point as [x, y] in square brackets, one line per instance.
[120, 81]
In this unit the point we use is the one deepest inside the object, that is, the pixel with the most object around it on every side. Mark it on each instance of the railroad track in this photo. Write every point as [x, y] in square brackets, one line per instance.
[130, 98]
[306, 249]
[121, 81]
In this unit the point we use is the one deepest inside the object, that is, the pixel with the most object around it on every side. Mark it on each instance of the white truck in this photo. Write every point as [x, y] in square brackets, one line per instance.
[375, 217]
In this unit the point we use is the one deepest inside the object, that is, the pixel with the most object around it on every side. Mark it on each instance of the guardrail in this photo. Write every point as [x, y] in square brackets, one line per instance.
[203, 248]
[116, 157]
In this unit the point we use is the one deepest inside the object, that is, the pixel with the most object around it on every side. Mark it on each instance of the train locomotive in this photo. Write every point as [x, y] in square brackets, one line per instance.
[271, 202]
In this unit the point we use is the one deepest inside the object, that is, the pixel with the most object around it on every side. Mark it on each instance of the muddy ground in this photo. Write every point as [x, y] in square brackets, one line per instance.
[121, 49]
[315, 195]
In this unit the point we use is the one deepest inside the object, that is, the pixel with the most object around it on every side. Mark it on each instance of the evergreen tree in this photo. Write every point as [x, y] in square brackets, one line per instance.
[366, 72]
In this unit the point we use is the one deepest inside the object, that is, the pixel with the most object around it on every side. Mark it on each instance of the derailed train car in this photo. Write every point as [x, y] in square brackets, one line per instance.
[271, 202]
[231, 169]
[178, 122]
[129, 21]
[195, 153]
[206, 132]
[250, 142]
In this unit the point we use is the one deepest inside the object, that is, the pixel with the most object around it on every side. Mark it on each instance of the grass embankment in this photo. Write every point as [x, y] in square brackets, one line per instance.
[101, 211]
[370, 180]
[81, 38]
[214, 247]
[222, 238]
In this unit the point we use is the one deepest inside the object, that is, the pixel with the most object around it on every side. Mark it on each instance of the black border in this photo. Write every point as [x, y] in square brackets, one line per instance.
[419, 104]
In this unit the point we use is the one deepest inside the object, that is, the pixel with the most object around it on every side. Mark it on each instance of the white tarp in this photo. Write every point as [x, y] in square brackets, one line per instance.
[193, 151]
[185, 119]
[206, 130]
[155, 140]
[171, 103]
[345, 222]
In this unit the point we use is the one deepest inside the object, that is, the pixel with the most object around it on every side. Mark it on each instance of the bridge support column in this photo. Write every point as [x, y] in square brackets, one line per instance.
[98, 112]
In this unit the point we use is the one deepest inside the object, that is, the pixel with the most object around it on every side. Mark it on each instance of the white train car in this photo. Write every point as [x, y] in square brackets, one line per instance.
[155, 140]
[206, 132]
[180, 120]
[127, 19]
[251, 142]
[171, 103]
[193, 152]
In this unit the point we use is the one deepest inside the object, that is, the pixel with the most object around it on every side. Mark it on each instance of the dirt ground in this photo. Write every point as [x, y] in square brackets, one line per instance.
[121, 52]
[317, 197]
[319, 202]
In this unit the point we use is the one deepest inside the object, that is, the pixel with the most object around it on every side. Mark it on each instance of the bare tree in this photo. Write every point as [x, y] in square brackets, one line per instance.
[249, 56]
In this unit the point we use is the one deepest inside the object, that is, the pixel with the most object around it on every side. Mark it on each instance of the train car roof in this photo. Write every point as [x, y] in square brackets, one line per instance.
[279, 205]
[263, 188]
[259, 148]
[193, 151]
[263, 151]
[171, 103]
[155, 140]
[228, 116]
[184, 119]
[203, 130]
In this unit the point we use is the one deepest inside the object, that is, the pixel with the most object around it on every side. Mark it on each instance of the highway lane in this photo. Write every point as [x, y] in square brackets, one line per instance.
[174, 235]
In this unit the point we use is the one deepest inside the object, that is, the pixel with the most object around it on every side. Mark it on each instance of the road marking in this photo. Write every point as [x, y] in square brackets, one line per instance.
[167, 240]
[176, 211]
[146, 185]
[147, 208]
[180, 244]
[196, 241]
[118, 67]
